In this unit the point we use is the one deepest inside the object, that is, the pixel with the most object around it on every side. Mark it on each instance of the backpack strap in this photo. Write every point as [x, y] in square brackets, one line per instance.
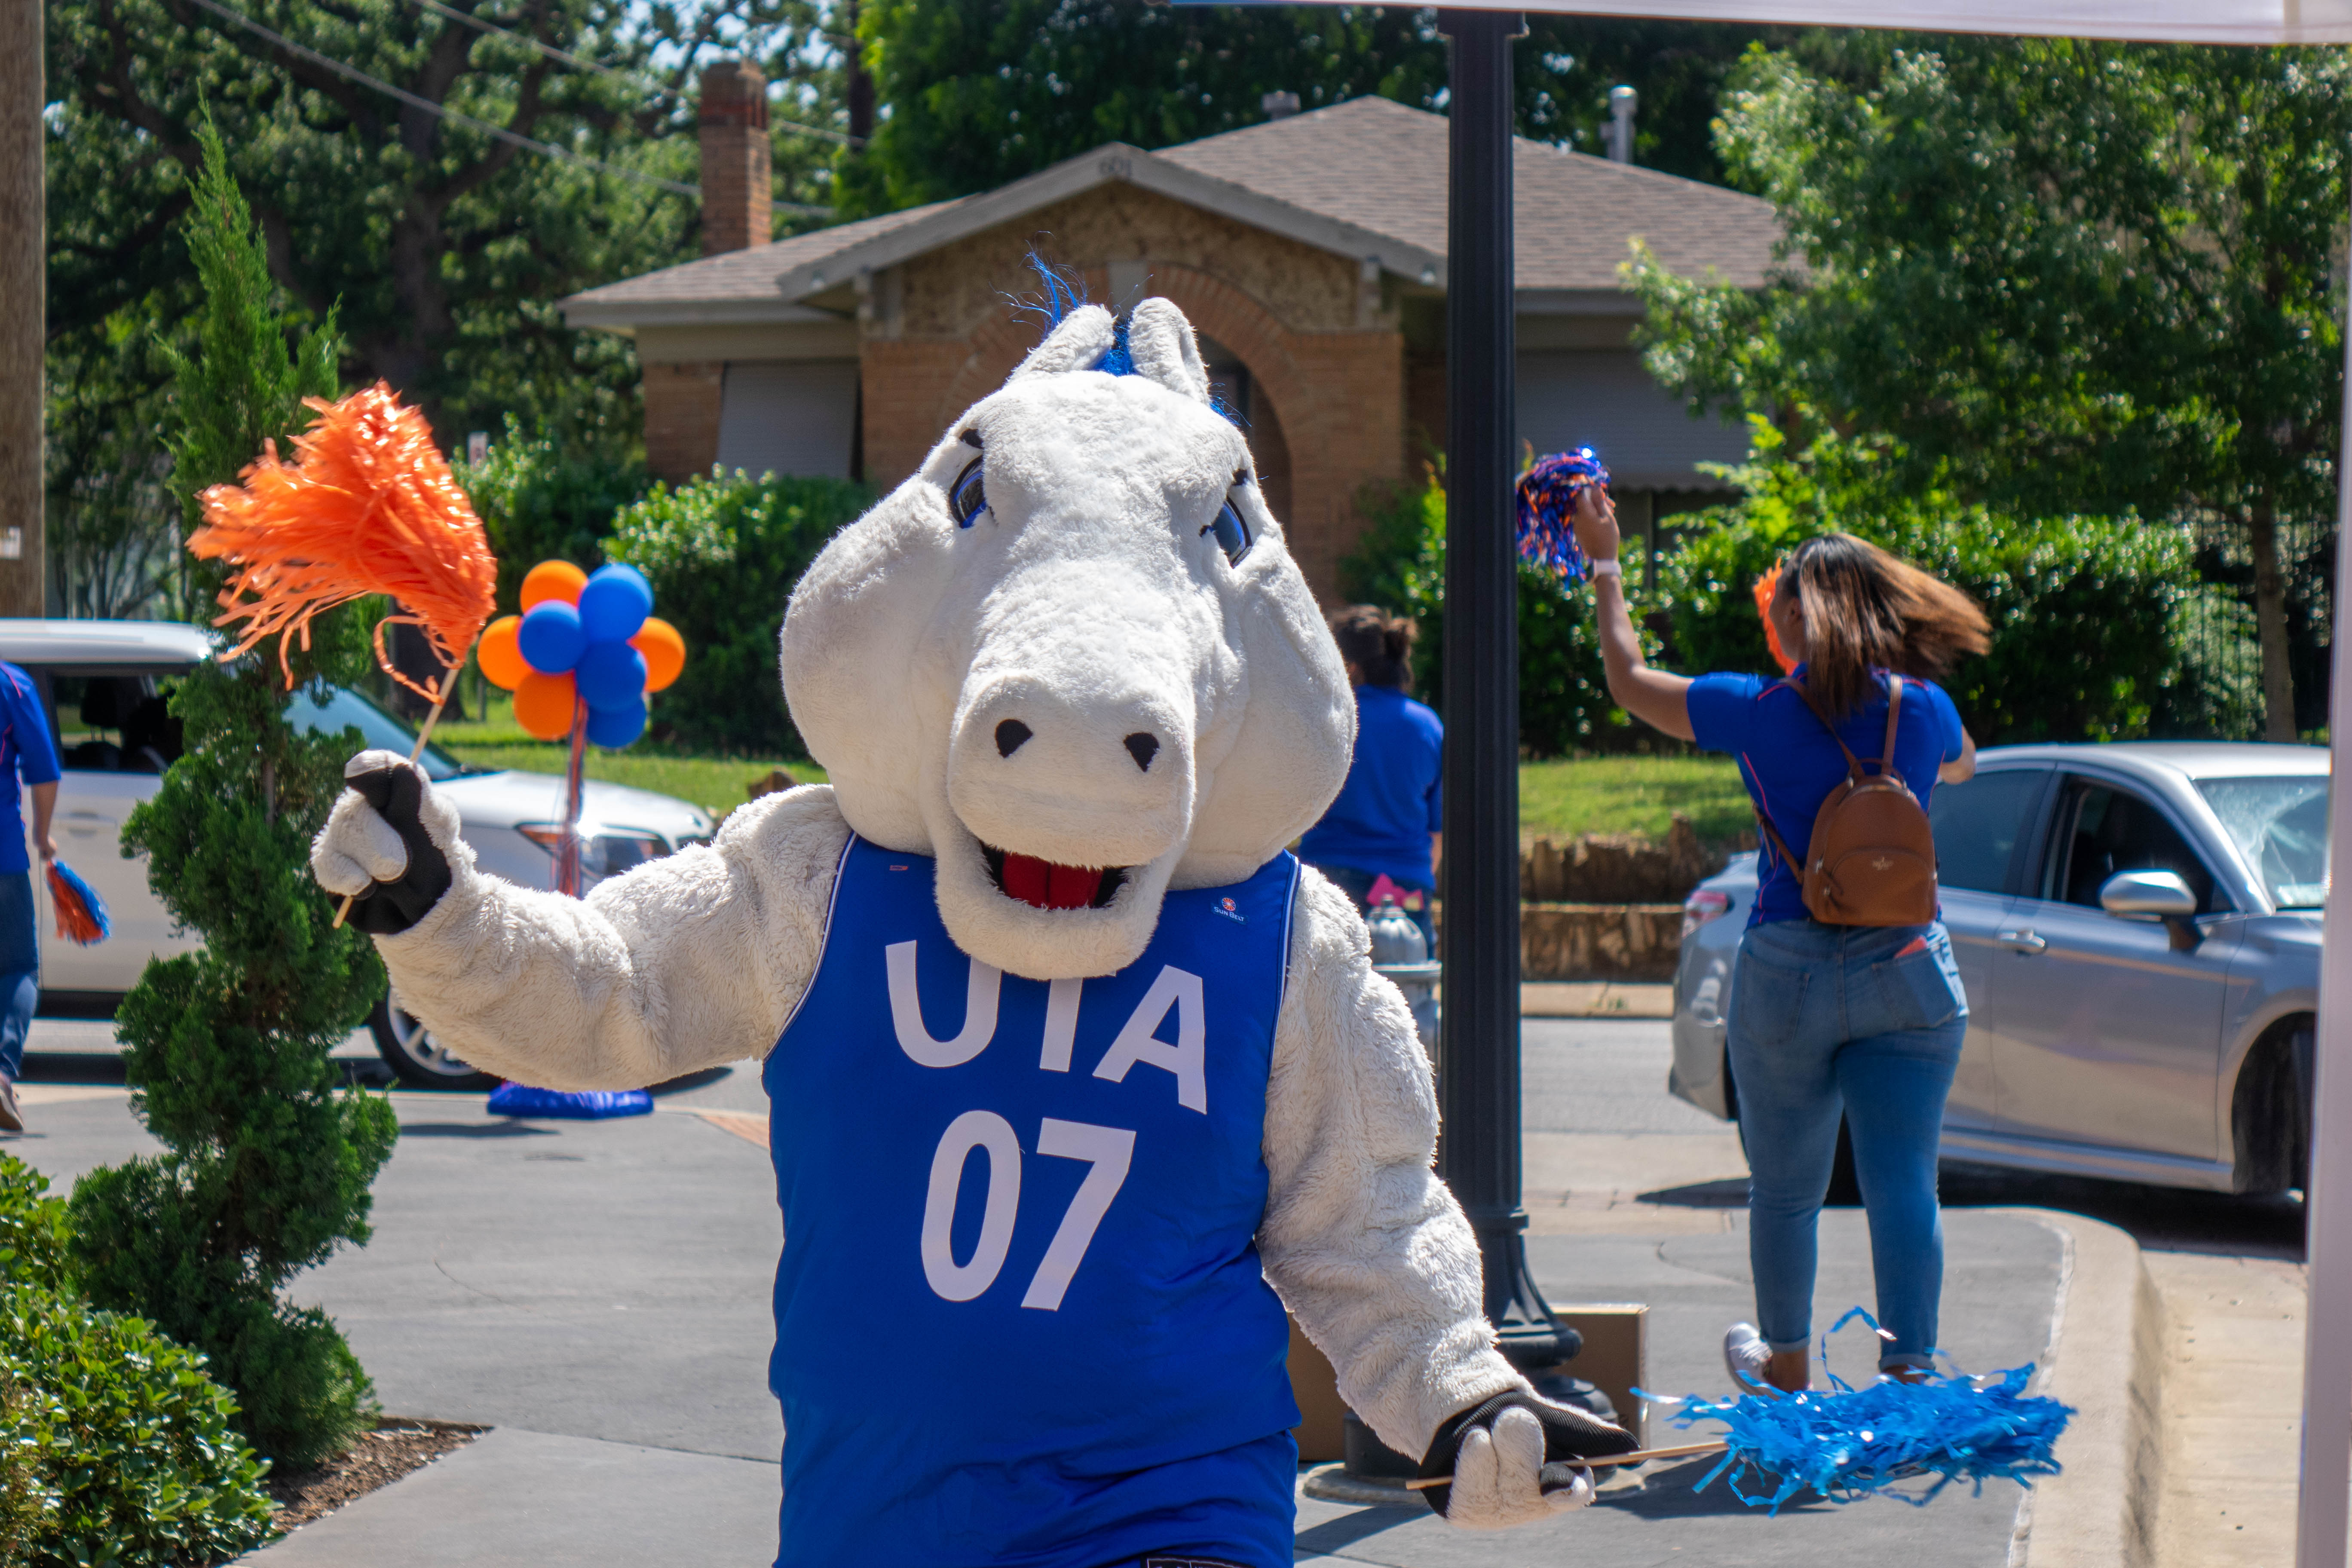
[1894, 710]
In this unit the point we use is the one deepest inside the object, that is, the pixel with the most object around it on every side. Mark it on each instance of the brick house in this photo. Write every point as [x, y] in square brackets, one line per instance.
[1309, 251]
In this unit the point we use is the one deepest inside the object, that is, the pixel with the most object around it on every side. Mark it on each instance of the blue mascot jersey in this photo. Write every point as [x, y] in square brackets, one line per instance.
[1020, 1317]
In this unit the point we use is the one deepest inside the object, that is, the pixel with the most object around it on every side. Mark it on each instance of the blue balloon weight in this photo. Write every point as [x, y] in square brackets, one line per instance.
[612, 677]
[615, 604]
[550, 639]
[614, 727]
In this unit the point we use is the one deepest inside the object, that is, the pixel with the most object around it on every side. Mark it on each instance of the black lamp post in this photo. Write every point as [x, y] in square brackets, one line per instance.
[1479, 1034]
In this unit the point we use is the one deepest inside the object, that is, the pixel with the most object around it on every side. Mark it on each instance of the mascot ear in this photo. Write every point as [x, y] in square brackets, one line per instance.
[1161, 341]
[1085, 335]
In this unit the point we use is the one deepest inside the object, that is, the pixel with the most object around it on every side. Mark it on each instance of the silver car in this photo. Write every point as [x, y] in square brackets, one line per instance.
[98, 679]
[2138, 926]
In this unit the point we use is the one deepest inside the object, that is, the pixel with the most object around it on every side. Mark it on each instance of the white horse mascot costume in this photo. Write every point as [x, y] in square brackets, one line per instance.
[1079, 1079]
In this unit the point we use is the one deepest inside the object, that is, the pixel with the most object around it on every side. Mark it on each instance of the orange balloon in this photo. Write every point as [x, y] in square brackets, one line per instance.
[501, 653]
[552, 580]
[664, 651]
[543, 706]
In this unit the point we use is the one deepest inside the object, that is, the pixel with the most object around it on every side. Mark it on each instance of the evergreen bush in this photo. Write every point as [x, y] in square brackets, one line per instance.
[723, 552]
[539, 499]
[266, 1166]
[115, 1445]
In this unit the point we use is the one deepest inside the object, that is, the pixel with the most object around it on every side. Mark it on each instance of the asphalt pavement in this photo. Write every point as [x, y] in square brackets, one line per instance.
[597, 1293]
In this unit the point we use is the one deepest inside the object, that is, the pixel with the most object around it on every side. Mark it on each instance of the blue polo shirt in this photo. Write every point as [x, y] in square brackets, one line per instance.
[27, 752]
[1390, 804]
[1789, 763]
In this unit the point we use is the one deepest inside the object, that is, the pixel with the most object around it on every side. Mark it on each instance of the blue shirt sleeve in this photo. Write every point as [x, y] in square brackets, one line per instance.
[1436, 731]
[20, 710]
[1948, 718]
[1722, 709]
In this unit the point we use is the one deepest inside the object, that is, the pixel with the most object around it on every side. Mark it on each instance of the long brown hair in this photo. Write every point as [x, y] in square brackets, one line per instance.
[1377, 643]
[1865, 610]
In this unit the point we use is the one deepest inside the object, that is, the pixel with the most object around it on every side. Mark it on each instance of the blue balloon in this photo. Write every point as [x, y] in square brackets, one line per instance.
[615, 604]
[612, 677]
[550, 639]
[616, 727]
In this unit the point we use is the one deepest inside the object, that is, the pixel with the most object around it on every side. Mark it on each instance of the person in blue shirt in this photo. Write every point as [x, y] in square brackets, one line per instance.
[1827, 1021]
[28, 754]
[1388, 820]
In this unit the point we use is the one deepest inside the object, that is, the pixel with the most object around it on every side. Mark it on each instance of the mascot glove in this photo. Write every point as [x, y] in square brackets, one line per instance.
[389, 843]
[1511, 1460]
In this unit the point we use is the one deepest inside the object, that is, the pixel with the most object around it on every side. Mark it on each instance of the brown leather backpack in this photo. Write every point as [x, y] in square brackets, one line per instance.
[1874, 855]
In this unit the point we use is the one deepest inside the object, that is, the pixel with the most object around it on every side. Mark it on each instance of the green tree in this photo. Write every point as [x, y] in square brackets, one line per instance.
[984, 92]
[265, 1165]
[2050, 279]
[446, 246]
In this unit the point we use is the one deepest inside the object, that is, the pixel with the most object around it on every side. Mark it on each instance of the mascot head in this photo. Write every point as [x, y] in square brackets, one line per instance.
[1071, 657]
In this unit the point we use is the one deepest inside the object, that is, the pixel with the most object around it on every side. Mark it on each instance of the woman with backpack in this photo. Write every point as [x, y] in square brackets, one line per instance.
[1844, 998]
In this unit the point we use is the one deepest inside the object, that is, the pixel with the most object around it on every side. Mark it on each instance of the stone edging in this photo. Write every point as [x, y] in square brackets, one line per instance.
[2105, 1359]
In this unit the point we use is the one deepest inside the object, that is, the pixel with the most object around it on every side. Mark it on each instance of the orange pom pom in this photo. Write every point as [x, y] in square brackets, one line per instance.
[368, 506]
[501, 653]
[664, 651]
[552, 580]
[1766, 587]
[543, 706]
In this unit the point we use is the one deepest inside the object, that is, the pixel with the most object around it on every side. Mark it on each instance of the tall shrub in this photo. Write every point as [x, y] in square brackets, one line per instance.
[542, 500]
[723, 552]
[266, 1166]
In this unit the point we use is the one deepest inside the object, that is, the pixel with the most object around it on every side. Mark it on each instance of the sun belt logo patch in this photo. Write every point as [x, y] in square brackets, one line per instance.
[1231, 910]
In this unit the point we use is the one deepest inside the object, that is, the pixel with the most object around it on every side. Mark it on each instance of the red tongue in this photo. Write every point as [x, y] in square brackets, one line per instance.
[1048, 886]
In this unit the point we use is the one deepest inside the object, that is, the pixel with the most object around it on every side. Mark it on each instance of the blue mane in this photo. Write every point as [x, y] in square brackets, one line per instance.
[1066, 292]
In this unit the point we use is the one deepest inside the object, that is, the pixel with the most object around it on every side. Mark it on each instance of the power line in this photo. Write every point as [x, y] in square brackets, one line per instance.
[545, 149]
[631, 78]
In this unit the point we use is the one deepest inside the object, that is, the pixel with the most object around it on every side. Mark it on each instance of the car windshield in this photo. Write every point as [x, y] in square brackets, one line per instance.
[2282, 824]
[334, 708]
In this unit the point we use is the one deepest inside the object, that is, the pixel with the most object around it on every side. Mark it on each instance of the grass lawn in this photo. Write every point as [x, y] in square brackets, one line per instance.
[1632, 794]
[714, 783]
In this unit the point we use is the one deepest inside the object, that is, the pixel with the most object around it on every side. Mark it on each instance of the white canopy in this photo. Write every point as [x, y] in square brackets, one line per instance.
[2178, 21]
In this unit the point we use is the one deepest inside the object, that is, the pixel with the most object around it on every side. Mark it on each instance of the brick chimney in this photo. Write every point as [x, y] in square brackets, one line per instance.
[736, 185]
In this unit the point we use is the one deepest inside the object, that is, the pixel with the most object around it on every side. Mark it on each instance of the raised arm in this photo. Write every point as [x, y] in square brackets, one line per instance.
[1653, 696]
[681, 963]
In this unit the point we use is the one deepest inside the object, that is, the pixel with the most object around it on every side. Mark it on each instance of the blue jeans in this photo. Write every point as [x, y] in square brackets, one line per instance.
[1866, 1021]
[20, 968]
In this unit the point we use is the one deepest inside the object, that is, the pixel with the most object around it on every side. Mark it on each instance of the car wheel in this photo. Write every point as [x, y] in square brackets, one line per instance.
[415, 1054]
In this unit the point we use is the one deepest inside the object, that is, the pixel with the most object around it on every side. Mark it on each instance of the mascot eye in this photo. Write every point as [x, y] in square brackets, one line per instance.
[1232, 533]
[967, 497]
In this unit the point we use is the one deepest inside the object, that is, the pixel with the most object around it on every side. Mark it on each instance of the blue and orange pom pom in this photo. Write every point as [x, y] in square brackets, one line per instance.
[81, 914]
[1547, 508]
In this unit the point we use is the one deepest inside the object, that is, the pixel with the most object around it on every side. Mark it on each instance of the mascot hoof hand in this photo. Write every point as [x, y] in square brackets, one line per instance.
[1510, 1460]
[376, 846]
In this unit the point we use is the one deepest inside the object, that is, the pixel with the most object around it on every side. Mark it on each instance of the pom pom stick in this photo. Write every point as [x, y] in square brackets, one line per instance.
[368, 506]
[1547, 508]
[1851, 1443]
[1766, 587]
[81, 914]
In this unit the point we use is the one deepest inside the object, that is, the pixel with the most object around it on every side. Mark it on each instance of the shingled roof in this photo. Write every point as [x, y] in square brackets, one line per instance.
[1366, 179]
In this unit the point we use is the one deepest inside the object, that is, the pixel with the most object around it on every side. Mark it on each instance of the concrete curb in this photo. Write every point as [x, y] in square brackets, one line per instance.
[2106, 1357]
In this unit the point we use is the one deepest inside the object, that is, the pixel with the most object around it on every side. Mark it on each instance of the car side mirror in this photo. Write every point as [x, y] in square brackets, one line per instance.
[2161, 894]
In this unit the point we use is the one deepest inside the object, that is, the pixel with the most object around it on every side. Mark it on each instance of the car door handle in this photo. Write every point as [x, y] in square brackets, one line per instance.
[2023, 941]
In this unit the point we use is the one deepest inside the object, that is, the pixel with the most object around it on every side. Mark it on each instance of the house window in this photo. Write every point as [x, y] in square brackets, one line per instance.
[789, 417]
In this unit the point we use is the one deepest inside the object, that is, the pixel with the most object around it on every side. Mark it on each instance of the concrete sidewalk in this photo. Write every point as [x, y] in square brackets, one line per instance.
[598, 1293]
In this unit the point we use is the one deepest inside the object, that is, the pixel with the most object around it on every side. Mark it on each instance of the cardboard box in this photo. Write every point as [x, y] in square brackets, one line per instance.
[1615, 1360]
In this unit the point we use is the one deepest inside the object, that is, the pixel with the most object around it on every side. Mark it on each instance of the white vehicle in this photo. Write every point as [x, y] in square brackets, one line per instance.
[101, 682]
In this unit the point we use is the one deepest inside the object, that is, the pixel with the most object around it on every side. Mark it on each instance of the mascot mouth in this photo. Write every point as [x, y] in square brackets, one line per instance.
[1046, 886]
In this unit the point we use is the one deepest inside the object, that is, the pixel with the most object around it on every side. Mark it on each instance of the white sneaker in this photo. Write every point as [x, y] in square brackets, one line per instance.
[1747, 1356]
[12, 1115]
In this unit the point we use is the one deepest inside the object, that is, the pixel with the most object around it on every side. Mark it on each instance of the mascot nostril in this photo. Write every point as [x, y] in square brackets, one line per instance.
[1073, 1070]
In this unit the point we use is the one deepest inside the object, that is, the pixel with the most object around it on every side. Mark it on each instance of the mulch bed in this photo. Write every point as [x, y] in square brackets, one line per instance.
[398, 1445]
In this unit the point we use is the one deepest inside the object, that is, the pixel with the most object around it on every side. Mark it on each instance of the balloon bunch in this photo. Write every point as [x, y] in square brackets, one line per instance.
[583, 642]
